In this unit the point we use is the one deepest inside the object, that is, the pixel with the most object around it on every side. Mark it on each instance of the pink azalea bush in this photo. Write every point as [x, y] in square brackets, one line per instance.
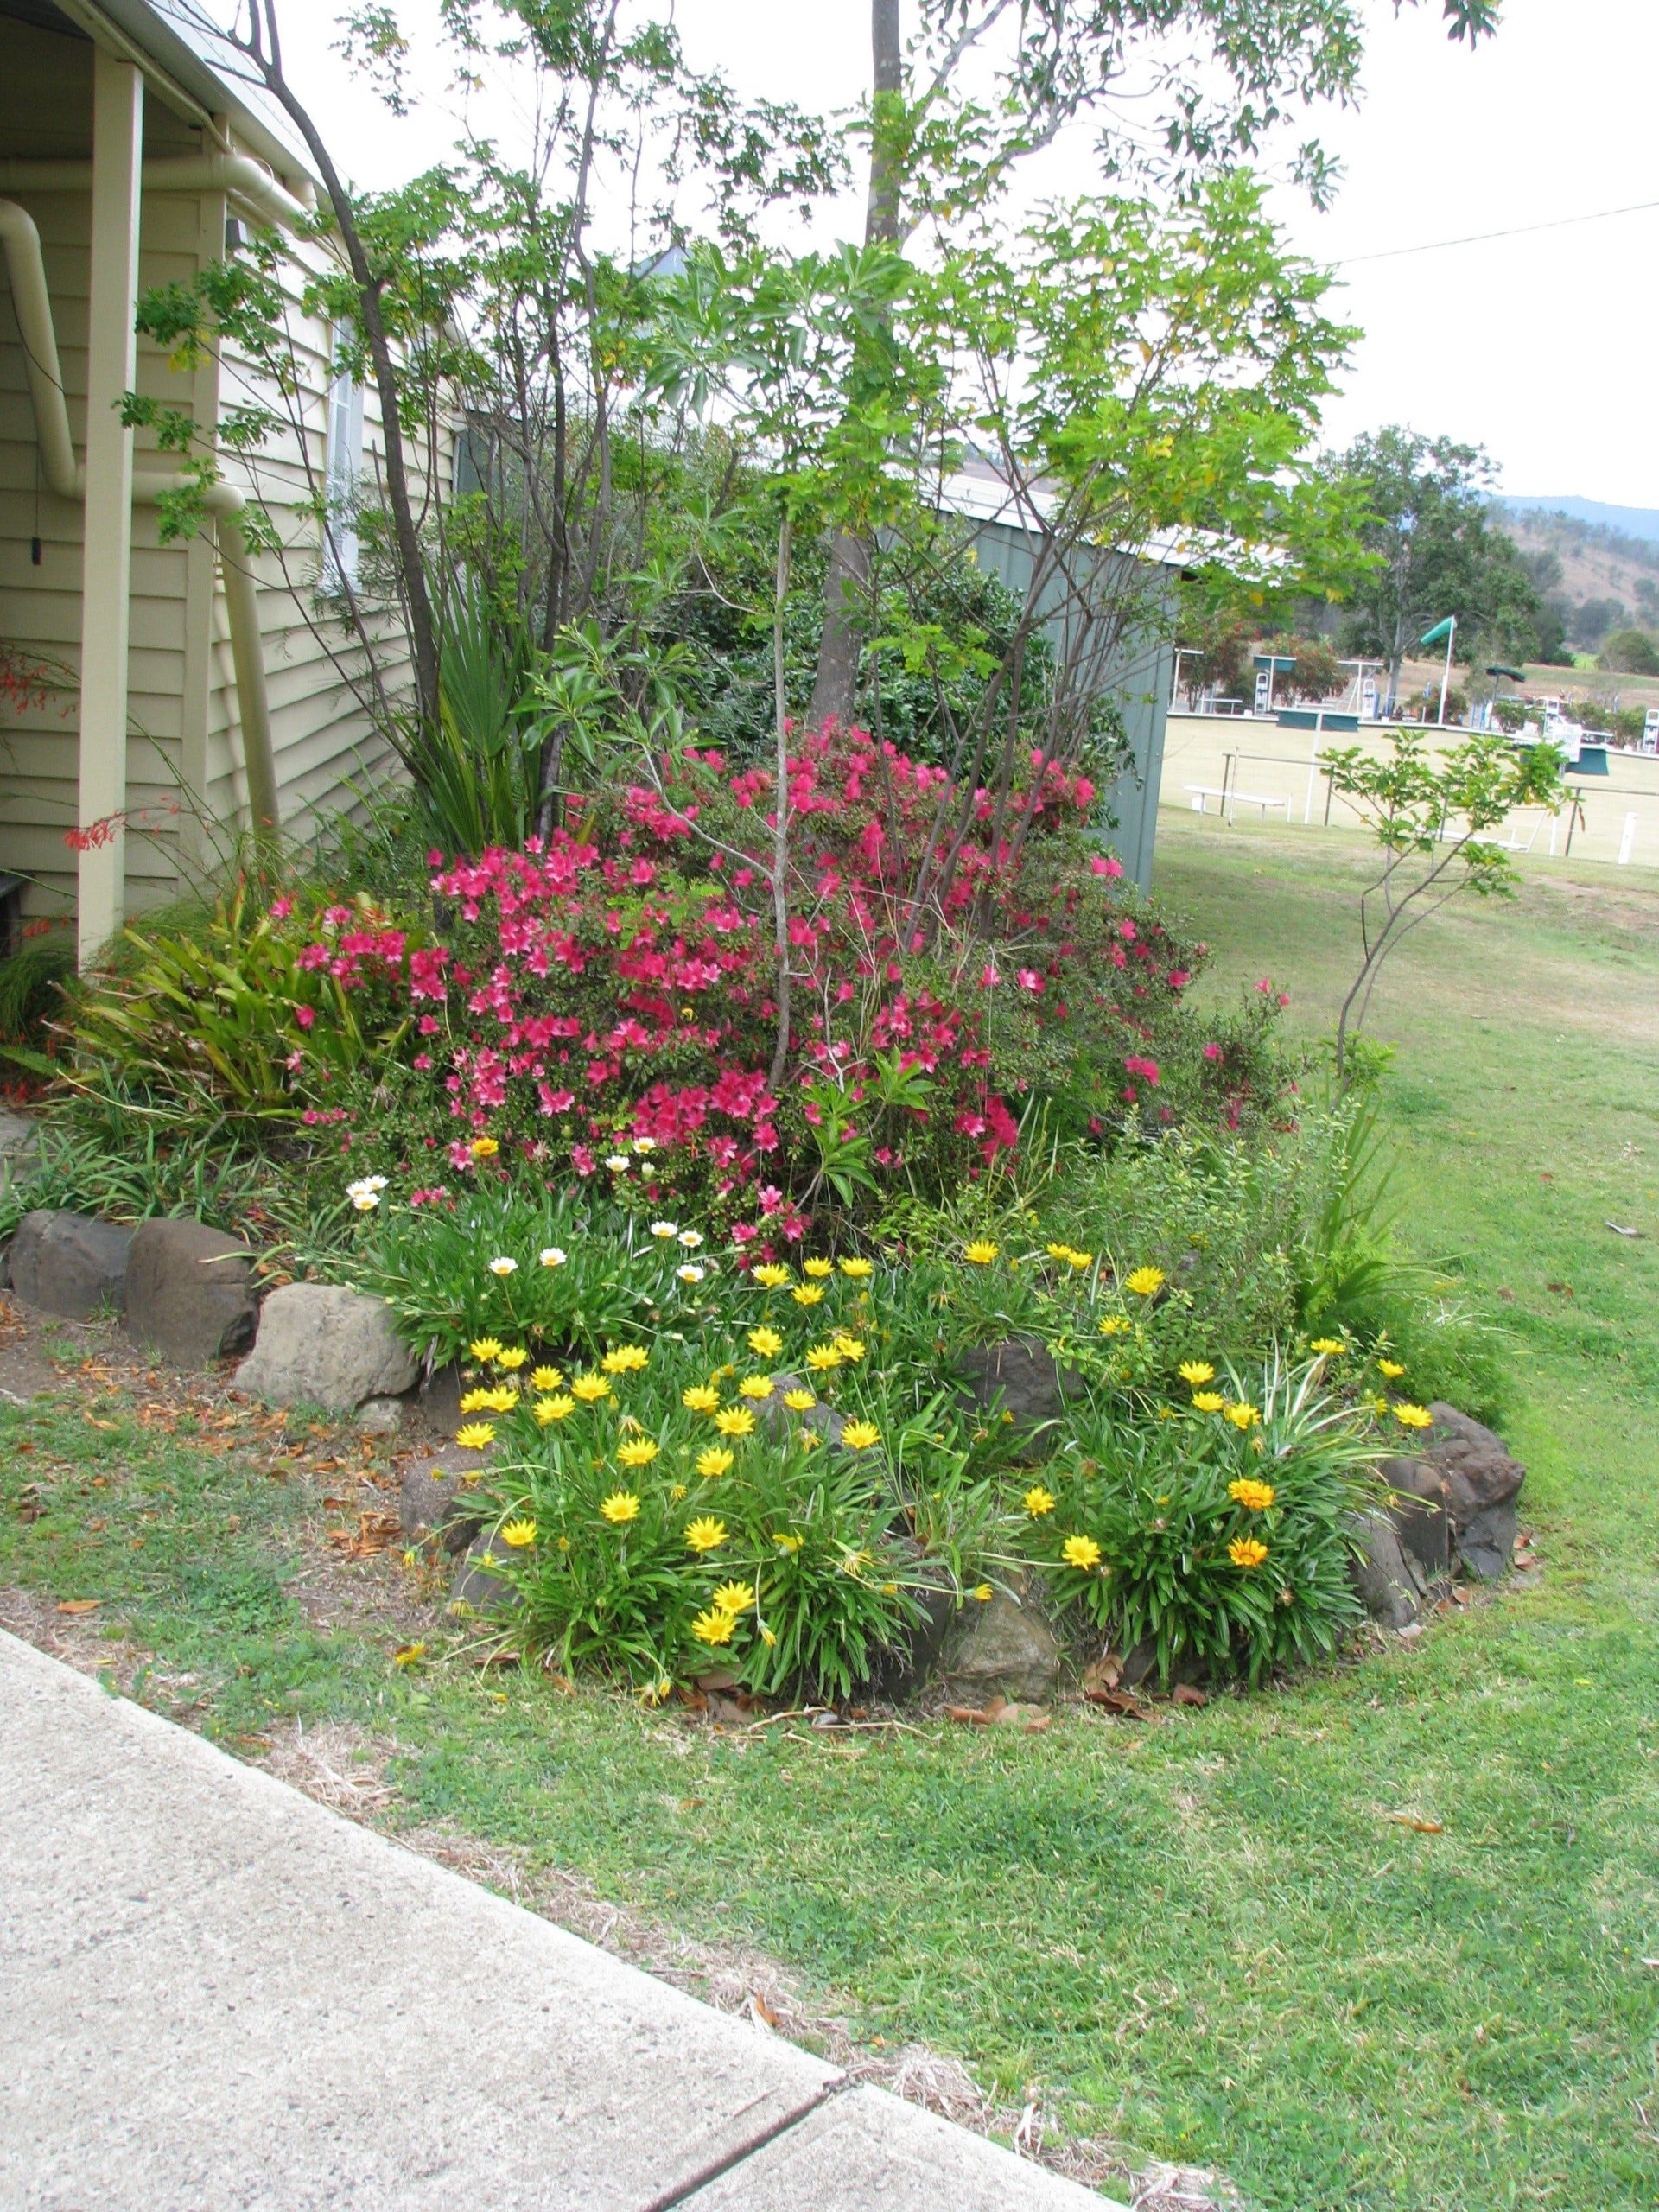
[608, 995]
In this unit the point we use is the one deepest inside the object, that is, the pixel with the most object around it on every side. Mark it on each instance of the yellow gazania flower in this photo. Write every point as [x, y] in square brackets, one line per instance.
[620, 1507]
[848, 1347]
[551, 1409]
[701, 1397]
[799, 1402]
[790, 1544]
[1039, 1501]
[499, 1400]
[1391, 1368]
[810, 1440]
[736, 1420]
[732, 1598]
[676, 1491]
[1196, 1371]
[756, 1386]
[639, 1451]
[590, 1388]
[1241, 1415]
[858, 1270]
[822, 1357]
[713, 1627]
[545, 1378]
[859, 1435]
[1247, 1551]
[1254, 1496]
[818, 1268]
[1081, 1551]
[476, 1402]
[770, 1276]
[768, 1636]
[513, 1359]
[981, 1252]
[714, 1463]
[484, 1147]
[1413, 1416]
[1328, 1345]
[853, 1563]
[517, 1533]
[1207, 1401]
[1145, 1282]
[706, 1534]
[626, 1359]
[473, 1435]
[808, 1293]
[1115, 1324]
[766, 1343]
[984, 1594]
[486, 1348]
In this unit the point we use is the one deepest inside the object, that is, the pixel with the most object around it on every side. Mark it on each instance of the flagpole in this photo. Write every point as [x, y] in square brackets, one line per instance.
[1446, 680]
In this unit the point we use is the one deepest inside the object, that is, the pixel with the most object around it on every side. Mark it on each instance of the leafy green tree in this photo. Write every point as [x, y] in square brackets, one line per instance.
[1434, 550]
[1630, 652]
[1176, 91]
[1432, 816]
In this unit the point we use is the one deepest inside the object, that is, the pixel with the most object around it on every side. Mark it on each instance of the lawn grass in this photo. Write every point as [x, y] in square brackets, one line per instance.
[1217, 1938]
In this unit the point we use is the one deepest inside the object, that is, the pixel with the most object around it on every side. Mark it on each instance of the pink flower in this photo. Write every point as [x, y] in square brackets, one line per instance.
[305, 1015]
[1212, 1051]
[1104, 864]
[281, 909]
[1029, 980]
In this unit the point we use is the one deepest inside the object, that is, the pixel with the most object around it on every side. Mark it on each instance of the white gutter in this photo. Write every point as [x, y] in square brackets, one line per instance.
[250, 184]
[67, 479]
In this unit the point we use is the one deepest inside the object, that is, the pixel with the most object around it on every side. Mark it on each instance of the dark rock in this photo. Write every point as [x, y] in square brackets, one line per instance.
[436, 1499]
[1140, 1665]
[1001, 1646]
[319, 1344]
[1417, 1510]
[189, 1292]
[474, 1589]
[1481, 1485]
[380, 1416]
[439, 1399]
[781, 1418]
[69, 1264]
[1393, 1585]
[1020, 1378]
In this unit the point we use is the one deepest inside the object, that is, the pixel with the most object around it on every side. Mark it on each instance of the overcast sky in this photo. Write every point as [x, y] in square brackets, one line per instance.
[1540, 347]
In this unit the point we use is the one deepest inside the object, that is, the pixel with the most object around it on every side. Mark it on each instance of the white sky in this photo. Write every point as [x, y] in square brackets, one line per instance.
[1542, 347]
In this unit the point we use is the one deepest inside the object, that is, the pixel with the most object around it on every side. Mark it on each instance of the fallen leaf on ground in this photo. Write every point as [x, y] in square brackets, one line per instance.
[1115, 1701]
[80, 1605]
[1418, 1826]
[1619, 1231]
[1185, 1694]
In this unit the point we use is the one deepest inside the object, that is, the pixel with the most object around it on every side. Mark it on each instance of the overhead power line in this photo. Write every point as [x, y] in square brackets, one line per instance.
[1482, 237]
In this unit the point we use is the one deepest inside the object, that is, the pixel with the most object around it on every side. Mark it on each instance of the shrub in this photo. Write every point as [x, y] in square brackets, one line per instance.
[1221, 1533]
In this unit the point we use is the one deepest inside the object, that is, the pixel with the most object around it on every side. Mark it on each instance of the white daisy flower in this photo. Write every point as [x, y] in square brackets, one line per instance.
[503, 1267]
[365, 1195]
[618, 1163]
[665, 1229]
[645, 1144]
[690, 1239]
[689, 1273]
[552, 1256]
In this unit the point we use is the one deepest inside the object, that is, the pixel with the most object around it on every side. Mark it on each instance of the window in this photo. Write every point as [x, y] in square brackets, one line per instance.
[345, 464]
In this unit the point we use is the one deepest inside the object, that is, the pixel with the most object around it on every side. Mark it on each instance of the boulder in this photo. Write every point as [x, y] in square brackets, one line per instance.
[1001, 1646]
[1481, 1485]
[319, 1344]
[189, 1292]
[70, 1264]
[1018, 1378]
[474, 1589]
[380, 1416]
[436, 1499]
[1392, 1583]
[439, 1399]
[1417, 1510]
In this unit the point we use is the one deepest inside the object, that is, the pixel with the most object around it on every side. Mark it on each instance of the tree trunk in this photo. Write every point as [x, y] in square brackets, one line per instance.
[780, 810]
[847, 584]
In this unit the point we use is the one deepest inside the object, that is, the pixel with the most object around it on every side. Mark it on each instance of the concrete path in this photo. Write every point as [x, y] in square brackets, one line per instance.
[215, 1993]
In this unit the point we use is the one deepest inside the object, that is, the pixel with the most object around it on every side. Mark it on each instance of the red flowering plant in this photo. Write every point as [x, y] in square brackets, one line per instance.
[602, 1005]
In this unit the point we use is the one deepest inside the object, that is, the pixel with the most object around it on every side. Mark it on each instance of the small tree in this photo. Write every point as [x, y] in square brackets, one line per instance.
[1430, 816]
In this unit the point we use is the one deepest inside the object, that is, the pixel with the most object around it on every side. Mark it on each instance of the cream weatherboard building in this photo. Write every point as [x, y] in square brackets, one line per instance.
[193, 687]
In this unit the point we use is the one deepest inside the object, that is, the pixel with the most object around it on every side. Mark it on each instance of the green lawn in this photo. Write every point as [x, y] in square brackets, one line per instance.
[1217, 1938]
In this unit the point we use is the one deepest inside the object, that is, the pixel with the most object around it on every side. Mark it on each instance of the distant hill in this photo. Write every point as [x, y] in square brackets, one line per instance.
[1622, 522]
